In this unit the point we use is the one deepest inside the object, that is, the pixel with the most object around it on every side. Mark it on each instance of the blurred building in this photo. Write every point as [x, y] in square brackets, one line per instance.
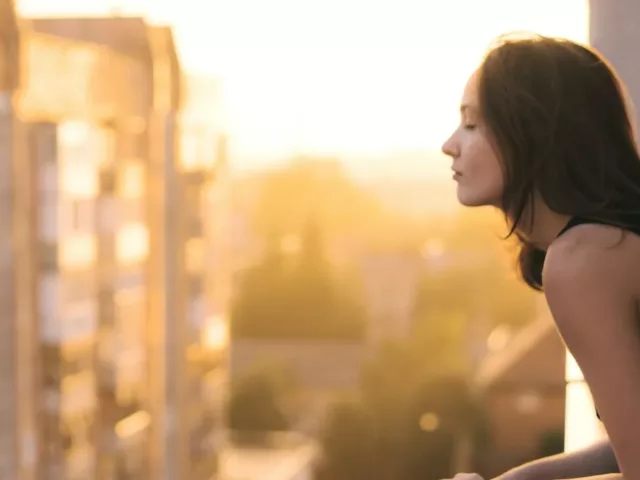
[391, 281]
[522, 379]
[287, 456]
[100, 218]
[322, 371]
[86, 107]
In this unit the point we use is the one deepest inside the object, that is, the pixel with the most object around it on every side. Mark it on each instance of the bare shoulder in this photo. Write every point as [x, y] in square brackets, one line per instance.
[590, 276]
[593, 256]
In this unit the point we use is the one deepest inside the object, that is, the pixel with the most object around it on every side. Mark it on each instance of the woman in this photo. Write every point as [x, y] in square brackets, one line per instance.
[546, 137]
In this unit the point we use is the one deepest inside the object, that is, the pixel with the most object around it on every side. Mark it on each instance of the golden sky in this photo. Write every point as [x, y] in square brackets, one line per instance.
[352, 77]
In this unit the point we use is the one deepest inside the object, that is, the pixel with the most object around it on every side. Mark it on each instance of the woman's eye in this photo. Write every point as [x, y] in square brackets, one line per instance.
[470, 127]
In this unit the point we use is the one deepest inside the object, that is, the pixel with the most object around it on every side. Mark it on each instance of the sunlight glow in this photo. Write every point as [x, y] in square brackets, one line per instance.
[347, 77]
[215, 334]
[429, 422]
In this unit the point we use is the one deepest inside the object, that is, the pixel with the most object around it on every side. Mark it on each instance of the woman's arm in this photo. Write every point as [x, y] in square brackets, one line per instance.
[590, 290]
[610, 476]
[597, 459]
[597, 462]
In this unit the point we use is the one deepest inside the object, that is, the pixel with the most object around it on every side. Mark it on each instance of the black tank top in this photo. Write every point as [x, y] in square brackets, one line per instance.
[630, 224]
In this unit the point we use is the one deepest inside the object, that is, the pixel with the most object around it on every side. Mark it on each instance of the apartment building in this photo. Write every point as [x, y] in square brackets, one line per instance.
[523, 381]
[99, 302]
[83, 104]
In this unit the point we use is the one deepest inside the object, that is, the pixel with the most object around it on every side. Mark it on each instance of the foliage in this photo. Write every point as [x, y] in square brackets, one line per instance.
[465, 292]
[551, 443]
[467, 281]
[313, 186]
[385, 436]
[349, 444]
[298, 296]
[256, 403]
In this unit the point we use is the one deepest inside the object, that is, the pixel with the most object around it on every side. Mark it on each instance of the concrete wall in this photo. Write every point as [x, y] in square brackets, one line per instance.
[613, 30]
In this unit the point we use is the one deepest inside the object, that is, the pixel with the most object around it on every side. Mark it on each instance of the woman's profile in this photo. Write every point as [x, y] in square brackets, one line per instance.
[546, 137]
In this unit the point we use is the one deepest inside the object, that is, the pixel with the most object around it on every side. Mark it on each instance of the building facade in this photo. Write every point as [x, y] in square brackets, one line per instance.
[98, 297]
[83, 107]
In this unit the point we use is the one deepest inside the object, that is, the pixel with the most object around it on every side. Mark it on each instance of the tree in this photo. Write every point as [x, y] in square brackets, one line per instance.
[256, 404]
[349, 444]
[298, 296]
[406, 434]
[470, 284]
[287, 196]
[443, 411]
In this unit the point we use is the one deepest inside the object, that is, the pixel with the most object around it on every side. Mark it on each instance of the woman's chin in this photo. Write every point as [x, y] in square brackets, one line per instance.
[468, 199]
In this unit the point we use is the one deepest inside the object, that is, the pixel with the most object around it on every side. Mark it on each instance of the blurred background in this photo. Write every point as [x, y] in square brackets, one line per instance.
[231, 248]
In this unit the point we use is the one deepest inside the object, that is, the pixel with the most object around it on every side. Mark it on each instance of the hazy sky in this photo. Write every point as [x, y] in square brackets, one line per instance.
[358, 78]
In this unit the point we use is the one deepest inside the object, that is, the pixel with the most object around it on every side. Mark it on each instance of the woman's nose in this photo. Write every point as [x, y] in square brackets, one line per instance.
[450, 147]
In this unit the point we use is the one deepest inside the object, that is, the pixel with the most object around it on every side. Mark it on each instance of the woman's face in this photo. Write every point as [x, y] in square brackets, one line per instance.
[476, 165]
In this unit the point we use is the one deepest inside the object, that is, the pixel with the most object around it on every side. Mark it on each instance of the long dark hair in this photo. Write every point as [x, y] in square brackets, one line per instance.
[558, 117]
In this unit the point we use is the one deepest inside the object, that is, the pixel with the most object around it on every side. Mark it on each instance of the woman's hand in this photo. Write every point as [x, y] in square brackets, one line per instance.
[466, 476]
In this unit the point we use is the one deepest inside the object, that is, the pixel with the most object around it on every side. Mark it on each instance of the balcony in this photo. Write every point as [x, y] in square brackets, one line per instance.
[132, 243]
[121, 365]
[76, 394]
[106, 307]
[76, 322]
[77, 252]
[61, 361]
[129, 278]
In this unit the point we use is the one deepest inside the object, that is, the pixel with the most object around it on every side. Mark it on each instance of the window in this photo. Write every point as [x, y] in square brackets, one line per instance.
[131, 180]
[77, 252]
[132, 243]
[130, 310]
[195, 255]
[57, 364]
[48, 173]
[74, 323]
[79, 179]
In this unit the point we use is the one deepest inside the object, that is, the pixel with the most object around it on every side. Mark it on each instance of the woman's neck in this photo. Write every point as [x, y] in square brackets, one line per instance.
[545, 227]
